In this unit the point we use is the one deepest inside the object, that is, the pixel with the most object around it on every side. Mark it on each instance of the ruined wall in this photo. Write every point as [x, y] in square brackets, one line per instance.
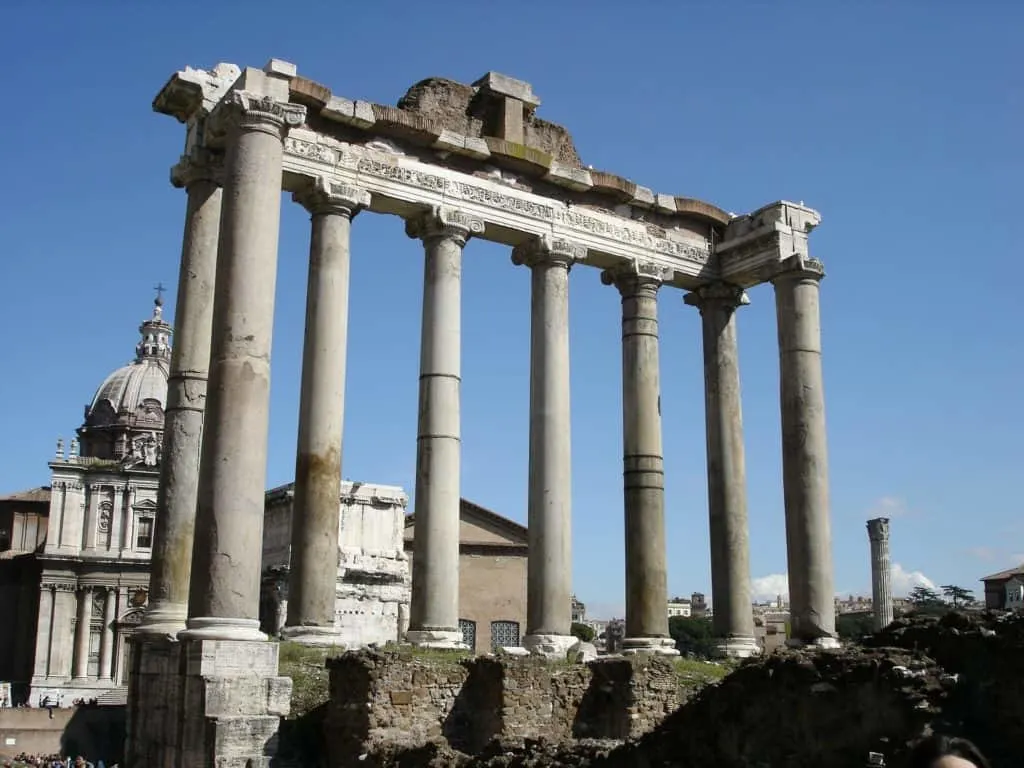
[383, 702]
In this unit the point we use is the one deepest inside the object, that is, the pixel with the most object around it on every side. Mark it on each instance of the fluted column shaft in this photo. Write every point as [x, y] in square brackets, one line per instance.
[313, 573]
[186, 397]
[643, 464]
[805, 456]
[224, 594]
[733, 619]
[107, 634]
[549, 569]
[881, 572]
[82, 632]
[434, 608]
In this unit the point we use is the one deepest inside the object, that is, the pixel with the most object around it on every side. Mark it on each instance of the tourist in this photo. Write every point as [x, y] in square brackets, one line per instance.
[938, 751]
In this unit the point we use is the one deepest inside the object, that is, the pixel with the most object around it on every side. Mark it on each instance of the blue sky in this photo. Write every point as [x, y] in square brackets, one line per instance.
[900, 122]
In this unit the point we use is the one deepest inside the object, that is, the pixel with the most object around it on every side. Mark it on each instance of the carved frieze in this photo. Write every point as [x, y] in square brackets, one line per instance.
[370, 166]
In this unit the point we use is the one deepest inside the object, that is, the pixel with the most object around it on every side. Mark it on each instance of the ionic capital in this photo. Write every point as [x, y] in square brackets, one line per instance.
[324, 196]
[550, 251]
[264, 114]
[637, 278]
[717, 294]
[796, 267]
[200, 164]
[445, 224]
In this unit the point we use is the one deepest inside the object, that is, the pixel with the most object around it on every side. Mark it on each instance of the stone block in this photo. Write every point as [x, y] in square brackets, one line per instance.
[503, 85]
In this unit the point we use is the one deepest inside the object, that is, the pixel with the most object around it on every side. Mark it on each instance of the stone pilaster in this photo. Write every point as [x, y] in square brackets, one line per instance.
[44, 630]
[224, 592]
[549, 577]
[62, 646]
[881, 572]
[313, 571]
[82, 627]
[434, 608]
[643, 464]
[107, 634]
[805, 454]
[200, 173]
[733, 620]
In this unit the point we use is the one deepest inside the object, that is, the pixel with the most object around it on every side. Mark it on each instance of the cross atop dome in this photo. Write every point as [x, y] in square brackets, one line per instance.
[156, 334]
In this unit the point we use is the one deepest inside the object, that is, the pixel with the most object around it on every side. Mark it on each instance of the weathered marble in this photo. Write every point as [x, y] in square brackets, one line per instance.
[643, 466]
[733, 621]
[434, 611]
[311, 588]
[805, 455]
[549, 503]
[881, 572]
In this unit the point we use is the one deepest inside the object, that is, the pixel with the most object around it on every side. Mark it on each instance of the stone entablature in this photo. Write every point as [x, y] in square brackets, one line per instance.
[408, 159]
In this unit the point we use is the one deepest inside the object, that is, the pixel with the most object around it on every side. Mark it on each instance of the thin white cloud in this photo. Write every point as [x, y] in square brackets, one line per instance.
[903, 581]
[769, 587]
[888, 506]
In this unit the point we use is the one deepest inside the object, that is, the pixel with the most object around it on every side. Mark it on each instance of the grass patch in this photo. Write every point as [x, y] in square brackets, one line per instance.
[695, 674]
[305, 666]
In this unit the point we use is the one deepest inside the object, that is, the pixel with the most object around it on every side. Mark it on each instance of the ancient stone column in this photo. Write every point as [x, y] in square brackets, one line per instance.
[434, 608]
[881, 572]
[643, 466]
[82, 631]
[107, 634]
[733, 620]
[549, 569]
[44, 631]
[199, 174]
[805, 455]
[313, 571]
[224, 593]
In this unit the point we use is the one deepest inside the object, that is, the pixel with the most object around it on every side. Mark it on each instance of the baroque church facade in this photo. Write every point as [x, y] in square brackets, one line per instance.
[75, 555]
[76, 565]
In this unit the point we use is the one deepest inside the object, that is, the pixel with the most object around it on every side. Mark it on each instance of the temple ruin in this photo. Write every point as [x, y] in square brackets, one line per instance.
[455, 162]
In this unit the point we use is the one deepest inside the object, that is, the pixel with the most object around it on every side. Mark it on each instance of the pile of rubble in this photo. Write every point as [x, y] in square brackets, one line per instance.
[958, 674]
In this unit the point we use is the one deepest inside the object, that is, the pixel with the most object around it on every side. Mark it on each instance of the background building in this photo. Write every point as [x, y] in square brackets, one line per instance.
[76, 559]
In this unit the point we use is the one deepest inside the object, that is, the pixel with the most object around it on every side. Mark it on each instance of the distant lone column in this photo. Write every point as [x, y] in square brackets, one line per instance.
[733, 619]
[643, 465]
[434, 608]
[224, 594]
[83, 629]
[805, 454]
[200, 173]
[549, 576]
[313, 572]
[881, 572]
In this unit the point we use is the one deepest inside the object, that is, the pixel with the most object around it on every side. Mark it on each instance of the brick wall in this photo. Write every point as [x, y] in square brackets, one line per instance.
[386, 701]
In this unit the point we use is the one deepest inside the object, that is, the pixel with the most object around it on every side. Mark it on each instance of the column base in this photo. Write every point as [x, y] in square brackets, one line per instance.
[824, 643]
[163, 619]
[317, 637]
[663, 646]
[549, 646]
[737, 647]
[448, 639]
[217, 628]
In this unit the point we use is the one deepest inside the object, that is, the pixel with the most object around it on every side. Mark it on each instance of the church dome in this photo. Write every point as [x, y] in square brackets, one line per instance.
[130, 402]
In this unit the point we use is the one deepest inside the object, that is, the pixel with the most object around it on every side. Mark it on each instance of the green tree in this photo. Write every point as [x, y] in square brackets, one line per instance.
[692, 635]
[583, 632]
[923, 597]
[854, 626]
[958, 596]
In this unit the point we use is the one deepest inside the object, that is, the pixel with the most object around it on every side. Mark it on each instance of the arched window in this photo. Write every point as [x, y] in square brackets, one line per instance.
[504, 634]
